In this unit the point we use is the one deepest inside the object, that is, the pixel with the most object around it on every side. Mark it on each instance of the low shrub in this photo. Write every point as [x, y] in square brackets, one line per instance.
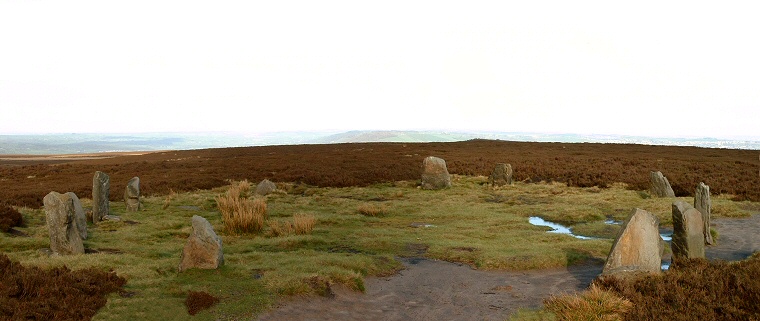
[198, 300]
[31, 293]
[9, 217]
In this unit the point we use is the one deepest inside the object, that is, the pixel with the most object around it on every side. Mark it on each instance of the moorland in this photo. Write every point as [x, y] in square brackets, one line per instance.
[369, 215]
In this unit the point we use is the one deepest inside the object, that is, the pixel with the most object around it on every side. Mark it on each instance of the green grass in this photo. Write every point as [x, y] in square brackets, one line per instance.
[469, 223]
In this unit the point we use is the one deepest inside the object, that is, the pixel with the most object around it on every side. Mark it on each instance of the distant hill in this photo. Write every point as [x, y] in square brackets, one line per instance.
[97, 143]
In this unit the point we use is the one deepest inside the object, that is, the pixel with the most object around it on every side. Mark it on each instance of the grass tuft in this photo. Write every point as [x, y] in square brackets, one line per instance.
[240, 214]
[592, 304]
[368, 209]
[303, 223]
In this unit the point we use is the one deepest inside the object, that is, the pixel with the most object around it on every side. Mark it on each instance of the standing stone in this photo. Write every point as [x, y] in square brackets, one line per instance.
[132, 195]
[688, 238]
[501, 175]
[638, 247]
[62, 227]
[659, 185]
[100, 191]
[79, 216]
[265, 187]
[703, 204]
[434, 173]
[203, 249]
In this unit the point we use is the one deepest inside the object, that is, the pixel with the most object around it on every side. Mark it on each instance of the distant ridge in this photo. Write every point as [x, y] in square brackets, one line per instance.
[53, 144]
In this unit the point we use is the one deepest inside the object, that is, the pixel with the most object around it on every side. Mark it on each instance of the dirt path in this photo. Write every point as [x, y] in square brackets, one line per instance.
[437, 290]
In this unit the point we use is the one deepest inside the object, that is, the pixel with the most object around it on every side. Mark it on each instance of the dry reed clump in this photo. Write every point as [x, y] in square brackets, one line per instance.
[303, 223]
[168, 200]
[31, 293]
[9, 217]
[373, 210]
[240, 214]
[592, 304]
[693, 289]
[199, 300]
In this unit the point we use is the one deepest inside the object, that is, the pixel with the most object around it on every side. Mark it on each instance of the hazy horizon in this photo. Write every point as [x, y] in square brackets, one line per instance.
[588, 68]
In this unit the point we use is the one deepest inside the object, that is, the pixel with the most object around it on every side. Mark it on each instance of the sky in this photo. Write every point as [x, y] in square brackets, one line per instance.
[650, 68]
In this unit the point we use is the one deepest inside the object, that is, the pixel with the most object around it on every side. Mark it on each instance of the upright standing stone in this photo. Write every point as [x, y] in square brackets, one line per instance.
[434, 173]
[203, 249]
[703, 204]
[638, 247]
[100, 191]
[62, 227]
[132, 195]
[659, 185]
[265, 187]
[79, 216]
[501, 175]
[688, 238]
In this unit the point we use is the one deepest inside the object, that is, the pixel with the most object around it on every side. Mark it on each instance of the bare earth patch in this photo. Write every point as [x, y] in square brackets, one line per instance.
[437, 290]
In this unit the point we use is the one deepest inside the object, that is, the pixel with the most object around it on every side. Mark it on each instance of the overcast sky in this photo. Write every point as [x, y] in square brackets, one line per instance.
[643, 68]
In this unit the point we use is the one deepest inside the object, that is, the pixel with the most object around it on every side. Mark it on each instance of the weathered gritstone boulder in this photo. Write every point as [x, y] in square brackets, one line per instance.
[265, 187]
[203, 249]
[434, 173]
[688, 239]
[132, 195]
[703, 204]
[62, 227]
[501, 175]
[638, 247]
[659, 185]
[100, 191]
[79, 215]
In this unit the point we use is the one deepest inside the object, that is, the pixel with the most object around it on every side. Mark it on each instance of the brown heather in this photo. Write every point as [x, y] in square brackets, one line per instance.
[726, 171]
[199, 300]
[9, 217]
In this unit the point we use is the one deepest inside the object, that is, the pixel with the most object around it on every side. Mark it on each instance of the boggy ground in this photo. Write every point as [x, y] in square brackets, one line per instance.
[735, 172]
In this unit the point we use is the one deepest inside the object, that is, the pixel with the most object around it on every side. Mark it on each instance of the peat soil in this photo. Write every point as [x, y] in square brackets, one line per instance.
[438, 290]
[25, 181]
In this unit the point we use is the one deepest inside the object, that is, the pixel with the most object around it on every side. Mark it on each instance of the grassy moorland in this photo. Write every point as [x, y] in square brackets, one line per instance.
[358, 233]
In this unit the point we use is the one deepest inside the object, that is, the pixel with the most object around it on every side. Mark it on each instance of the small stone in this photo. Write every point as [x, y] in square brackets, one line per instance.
[688, 238]
[203, 249]
[79, 215]
[265, 187]
[100, 193]
[112, 218]
[703, 204]
[132, 195]
[60, 217]
[638, 247]
[434, 173]
[659, 185]
[501, 175]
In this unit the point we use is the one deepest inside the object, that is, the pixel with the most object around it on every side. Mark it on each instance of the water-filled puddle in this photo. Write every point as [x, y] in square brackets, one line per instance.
[666, 236]
[557, 228]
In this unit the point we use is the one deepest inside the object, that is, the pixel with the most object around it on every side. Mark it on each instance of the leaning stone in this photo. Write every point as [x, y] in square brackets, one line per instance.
[688, 239]
[501, 175]
[62, 227]
[638, 247]
[265, 187]
[132, 195]
[203, 249]
[100, 192]
[659, 185]
[703, 204]
[79, 216]
[434, 173]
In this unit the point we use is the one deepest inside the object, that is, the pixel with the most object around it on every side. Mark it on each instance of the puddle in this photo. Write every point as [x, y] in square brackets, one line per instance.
[666, 235]
[557, 228]
[665, 266]
[612, 222]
